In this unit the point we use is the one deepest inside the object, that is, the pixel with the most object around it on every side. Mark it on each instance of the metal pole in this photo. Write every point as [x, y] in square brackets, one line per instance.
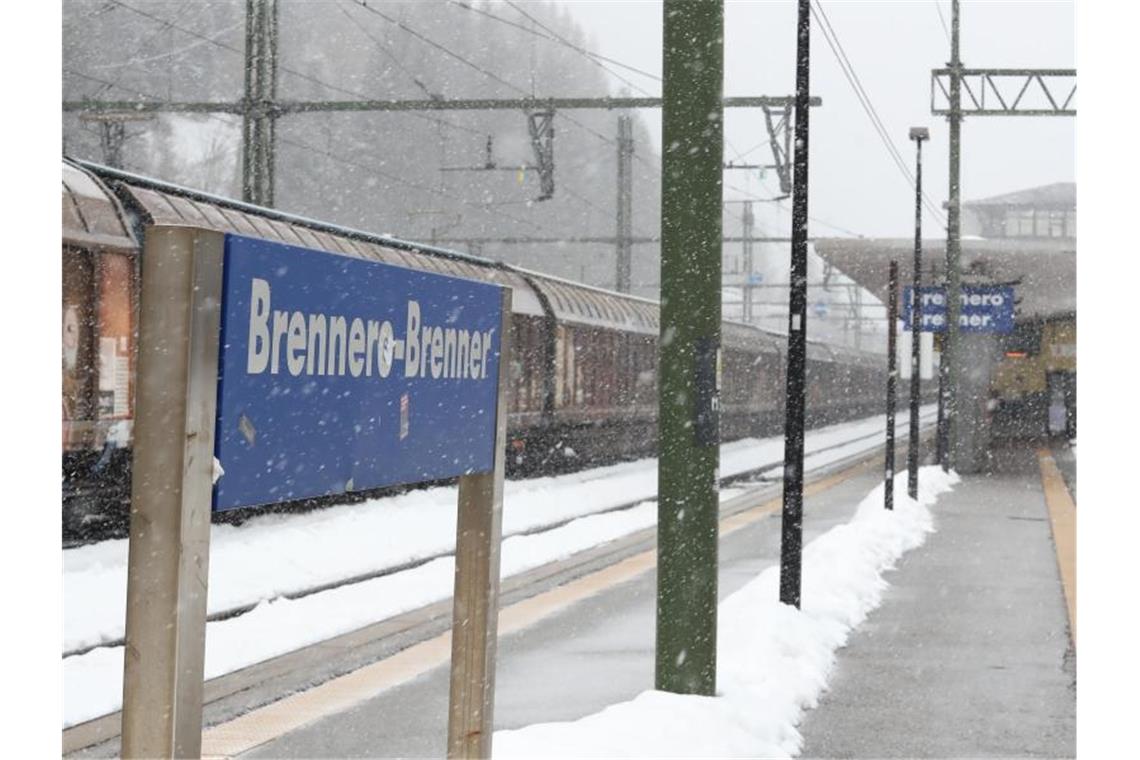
[624, 202]
[749, 221]
[248, 144]
[691, 229]
[943, 370]
[258, 119]
[953, 249]
[892, 381]
[269, 87]
[169, 557]
[918, 134]
[791, 540]
[475, 609]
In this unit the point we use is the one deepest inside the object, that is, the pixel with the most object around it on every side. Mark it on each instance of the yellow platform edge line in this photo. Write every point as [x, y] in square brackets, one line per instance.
[271, 721]
[1063, 521]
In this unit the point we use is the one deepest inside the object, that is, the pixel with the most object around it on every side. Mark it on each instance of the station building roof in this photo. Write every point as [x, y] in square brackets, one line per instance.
[1043, 270]
[1057, 196]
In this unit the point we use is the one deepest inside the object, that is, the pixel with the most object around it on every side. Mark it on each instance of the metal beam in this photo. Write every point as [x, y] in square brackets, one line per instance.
[282, 107]
[1001, 92]
[599, 239]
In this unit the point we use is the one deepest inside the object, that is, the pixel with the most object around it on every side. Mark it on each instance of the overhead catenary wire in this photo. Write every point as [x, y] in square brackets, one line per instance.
[942, 20]
[481, 69]
[488, 207]
[166, 23]
[283, 69]
[848, 69]
[555, 37]
[229, 121]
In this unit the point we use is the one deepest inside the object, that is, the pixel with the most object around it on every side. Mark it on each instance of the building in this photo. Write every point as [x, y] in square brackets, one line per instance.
[1049, 211]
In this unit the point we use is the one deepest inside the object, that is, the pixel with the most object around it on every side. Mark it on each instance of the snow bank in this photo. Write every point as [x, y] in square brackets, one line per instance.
[262, 559]
[773, 660]
[276, 555]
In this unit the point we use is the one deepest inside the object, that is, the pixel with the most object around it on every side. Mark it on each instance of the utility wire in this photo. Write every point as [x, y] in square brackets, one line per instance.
[228, 120]
[141, 46]
[489, 74]
[285, 69]
[383, 48]
[832, 39]
[489, 208]
[942, 19]
[556, 37]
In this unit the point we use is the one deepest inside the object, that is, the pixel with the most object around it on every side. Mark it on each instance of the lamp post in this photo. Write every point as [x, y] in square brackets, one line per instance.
[918, 134]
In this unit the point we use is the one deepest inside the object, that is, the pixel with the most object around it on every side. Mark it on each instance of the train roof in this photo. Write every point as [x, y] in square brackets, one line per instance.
[97, 195]
[92, 215]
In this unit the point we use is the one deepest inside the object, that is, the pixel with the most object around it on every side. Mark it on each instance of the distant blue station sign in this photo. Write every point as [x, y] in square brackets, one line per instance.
[338, 374]
[984, 308]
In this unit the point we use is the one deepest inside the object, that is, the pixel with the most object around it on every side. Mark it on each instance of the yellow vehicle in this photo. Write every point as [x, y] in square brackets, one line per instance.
[1035, 384]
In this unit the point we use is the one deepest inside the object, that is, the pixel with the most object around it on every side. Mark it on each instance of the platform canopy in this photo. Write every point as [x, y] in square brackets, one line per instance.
[1043, 270]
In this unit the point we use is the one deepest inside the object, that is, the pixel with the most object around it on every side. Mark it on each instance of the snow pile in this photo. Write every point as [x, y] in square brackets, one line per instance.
[280, 554]
[773, 660]
[273, 554]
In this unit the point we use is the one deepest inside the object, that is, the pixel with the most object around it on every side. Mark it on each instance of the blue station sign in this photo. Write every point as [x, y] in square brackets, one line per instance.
[338, 374]
[984, 308]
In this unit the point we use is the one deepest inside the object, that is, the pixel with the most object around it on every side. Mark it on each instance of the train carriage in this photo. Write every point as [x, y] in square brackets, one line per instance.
[583, 380]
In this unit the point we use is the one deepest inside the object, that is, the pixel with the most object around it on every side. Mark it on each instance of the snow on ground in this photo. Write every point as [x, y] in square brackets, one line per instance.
[773, 661]
[275, 555]
[271, 555]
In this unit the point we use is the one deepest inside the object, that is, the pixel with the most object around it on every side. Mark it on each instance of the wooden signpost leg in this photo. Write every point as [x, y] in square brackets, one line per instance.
[168, 565]
[475, 619]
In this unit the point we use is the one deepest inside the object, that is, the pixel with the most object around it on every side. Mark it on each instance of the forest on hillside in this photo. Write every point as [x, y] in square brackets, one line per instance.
[407, 173]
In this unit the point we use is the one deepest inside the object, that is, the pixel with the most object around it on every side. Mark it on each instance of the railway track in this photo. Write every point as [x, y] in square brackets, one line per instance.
[760, 475]
[237, 692]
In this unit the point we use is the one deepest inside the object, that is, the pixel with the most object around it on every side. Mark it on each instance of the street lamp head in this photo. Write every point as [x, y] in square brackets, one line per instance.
[919, 134]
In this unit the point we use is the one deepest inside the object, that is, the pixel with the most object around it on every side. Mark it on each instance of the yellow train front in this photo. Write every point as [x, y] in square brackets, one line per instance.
[1035, 385]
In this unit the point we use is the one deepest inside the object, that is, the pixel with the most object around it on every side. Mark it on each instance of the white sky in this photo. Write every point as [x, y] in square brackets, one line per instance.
[893, 46]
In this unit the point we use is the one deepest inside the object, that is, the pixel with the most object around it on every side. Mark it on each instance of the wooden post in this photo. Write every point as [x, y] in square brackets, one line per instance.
[169, 559]
[475, 619]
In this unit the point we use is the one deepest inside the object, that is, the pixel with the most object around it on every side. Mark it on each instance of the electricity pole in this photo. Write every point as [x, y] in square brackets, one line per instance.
[259, 114]
[746, 291]
[892, 380]
[950, 363]
[791, 540]
[992, 92]
[918, 134]
[624, 202]
[692, 166]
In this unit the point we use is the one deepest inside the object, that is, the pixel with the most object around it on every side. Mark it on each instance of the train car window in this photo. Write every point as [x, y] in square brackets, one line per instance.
[517, 400]
[116, 275]
[536, 359]
[78, 345]
[1025, 340]
[560, 370]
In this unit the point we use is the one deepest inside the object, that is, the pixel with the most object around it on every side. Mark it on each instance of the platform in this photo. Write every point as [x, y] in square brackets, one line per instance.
[969, 654]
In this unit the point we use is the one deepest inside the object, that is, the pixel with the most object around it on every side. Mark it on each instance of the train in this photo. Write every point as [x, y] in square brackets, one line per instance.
[583, 380]
[1035, 383]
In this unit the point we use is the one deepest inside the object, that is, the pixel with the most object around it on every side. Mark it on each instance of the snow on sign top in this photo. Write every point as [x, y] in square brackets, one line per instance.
[338, 375]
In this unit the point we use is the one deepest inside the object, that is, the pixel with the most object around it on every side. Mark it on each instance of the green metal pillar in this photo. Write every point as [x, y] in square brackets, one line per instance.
[689, 366]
